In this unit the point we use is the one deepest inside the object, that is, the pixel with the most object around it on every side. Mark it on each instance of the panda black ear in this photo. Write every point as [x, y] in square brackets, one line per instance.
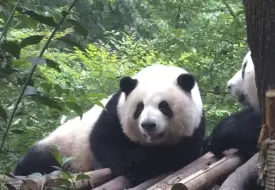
[127, 84]
[186, 81]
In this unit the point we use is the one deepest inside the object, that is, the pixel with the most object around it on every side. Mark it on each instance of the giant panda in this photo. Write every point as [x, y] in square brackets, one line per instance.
[240, 130]
[153, 124]
[72, 139]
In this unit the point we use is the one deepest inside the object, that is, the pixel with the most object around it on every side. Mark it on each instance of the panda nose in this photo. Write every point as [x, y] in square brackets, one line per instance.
[148, 126]
[229, 86]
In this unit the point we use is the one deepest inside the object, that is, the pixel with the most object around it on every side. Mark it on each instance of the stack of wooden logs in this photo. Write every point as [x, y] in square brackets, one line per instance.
[202, 174]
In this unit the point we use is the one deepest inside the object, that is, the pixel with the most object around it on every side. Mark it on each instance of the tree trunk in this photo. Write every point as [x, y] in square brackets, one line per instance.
[260, 27]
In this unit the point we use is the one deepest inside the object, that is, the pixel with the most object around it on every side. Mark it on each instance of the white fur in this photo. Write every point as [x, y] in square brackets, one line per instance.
[246, 85]
[249, 81]
[236, 85]
[72, 138]
[157, 83]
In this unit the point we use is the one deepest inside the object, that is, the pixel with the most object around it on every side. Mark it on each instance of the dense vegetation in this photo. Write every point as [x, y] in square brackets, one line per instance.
[98, 43]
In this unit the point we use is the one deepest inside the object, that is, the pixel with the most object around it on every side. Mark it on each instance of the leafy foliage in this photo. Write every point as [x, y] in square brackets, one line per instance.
[98, 43]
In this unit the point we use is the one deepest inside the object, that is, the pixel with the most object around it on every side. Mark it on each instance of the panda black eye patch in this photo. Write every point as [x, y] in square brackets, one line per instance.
[139, 108]
[165, 108]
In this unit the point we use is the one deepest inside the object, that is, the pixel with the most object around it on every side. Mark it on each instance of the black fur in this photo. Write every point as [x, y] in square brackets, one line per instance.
[36, 160]
[239, 130]
[139, 109]
[186, 81]
[165, 109]
[127, 85]
[113, 149]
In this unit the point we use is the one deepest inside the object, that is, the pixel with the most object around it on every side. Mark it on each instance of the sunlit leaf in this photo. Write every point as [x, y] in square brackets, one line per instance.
[46, 86]
[36, 60]
[74, 106]
[31, 40]
[30, 91]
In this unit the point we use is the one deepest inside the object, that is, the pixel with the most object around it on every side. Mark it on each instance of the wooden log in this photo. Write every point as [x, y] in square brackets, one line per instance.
[149, 183]
[270, 112]
[205, 178]
[191, 168]
[244, 177]
[119, 183]
[96, 178]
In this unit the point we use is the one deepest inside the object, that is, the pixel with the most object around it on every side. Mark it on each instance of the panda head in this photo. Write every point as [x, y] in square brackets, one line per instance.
[242, 85]
[236, 88]
[159, 105]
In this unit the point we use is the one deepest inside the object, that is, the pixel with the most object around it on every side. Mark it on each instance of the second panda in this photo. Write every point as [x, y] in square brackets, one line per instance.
[240, 130]
[153, 124]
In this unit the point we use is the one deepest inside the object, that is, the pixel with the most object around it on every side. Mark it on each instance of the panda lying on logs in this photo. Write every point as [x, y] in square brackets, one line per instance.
[240, 130]
[153, 124]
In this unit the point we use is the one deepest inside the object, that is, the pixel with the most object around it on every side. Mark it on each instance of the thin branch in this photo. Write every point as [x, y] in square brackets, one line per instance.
[233, 14]
[31, 74]
[5, 30]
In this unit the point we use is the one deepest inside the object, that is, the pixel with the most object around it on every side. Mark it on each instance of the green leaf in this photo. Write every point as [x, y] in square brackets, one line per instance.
[74, 106]
[58, 89]
[66, 160]
[3, 114]
[97, 102]
[82, 177]
[46, 86]
[20, 113]
[4, 72]
[10, 175]
[47, 101]
[27, 21]
[67, 39]
[11, 47]
[23, 80]
[40, 18]
[31, 40]
[50, 63]
[17, 131]
[64, 182]
[55, 153]
[66, 175]
[79, 28]
[36, 60]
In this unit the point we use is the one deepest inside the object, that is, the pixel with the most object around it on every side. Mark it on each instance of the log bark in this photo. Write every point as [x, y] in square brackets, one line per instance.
[270, 112]
[118, 183]
[191, 168]
[245, 177]
[149, 183]
[96, 178]
[205, 178]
